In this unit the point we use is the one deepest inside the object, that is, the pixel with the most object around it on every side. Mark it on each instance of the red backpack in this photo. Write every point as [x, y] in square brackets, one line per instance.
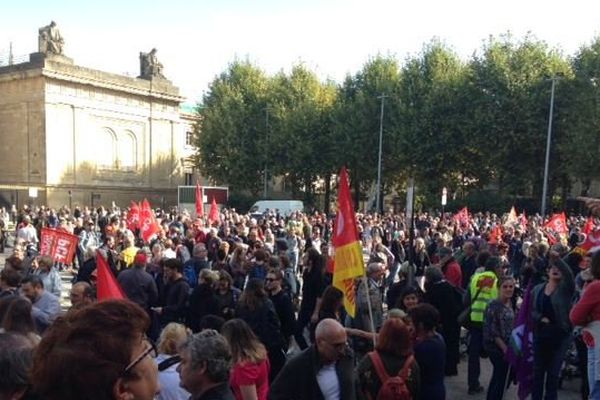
[392, 387]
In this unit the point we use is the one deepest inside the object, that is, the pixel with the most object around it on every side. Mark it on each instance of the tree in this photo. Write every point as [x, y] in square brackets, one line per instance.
[231, 138]
[581, 122]
[356, 122]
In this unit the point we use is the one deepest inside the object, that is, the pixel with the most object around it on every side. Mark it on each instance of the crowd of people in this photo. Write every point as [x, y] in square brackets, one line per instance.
[244, 308]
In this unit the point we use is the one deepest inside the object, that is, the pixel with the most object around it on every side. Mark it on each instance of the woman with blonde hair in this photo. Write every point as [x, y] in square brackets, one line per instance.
[171, 337]
[249, 378]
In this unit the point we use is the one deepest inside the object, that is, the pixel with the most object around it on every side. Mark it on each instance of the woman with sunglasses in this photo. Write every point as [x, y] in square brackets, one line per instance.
[97, 353]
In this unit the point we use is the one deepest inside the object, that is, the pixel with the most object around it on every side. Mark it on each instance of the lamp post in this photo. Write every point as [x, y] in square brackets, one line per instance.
[266, 147]
[548, 140]
[378, 205]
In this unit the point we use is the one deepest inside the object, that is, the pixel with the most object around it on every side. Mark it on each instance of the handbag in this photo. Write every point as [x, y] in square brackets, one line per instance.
[464, 318]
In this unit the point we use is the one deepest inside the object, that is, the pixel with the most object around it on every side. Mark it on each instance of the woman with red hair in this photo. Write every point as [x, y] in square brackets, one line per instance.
[393, 356]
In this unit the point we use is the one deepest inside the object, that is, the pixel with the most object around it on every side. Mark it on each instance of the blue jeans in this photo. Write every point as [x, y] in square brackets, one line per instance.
[474, 351]
[592, 366]
[498, 381]
[547, 362]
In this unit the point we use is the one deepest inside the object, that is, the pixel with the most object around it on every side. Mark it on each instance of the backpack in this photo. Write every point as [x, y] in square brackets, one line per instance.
[392, 387]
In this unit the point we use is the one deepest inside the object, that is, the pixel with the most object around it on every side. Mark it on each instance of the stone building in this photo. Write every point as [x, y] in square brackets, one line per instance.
[80, 136]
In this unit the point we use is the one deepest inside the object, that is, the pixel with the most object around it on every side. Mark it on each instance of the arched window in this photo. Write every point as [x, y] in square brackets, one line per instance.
[127, 151]
[104, 149]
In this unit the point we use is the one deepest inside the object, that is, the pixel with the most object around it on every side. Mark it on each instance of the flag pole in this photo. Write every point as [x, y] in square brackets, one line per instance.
[372, 324]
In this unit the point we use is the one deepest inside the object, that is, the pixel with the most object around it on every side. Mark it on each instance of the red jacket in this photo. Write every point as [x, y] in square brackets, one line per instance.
[588, 308]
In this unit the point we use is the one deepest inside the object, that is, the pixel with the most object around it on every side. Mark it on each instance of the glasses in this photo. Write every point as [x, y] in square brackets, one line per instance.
[271, 280]
[151, 350]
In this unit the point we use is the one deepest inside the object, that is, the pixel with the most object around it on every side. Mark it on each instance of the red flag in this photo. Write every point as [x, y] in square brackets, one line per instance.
[199, 201]
[349, 262]
[133, 216]
[107, 286]
[589, 226]
[462, 217]
[556, 227]
[148, 225]
[523, 220]
[213, 215]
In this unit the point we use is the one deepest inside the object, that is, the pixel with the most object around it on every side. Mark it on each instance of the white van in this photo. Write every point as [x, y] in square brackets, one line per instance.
[285, 207]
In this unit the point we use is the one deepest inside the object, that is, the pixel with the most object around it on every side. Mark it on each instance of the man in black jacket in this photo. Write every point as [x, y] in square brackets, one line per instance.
[175, 295]
[283, 304]
[324, 370]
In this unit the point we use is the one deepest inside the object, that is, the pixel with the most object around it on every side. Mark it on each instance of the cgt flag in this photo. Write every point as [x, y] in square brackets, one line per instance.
[148, 225]
[349, 263]
[133, 216]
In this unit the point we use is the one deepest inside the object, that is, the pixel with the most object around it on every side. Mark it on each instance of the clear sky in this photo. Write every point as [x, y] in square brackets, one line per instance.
[196, 39]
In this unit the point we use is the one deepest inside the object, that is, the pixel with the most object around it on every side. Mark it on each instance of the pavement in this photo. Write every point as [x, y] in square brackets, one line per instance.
[456, 386]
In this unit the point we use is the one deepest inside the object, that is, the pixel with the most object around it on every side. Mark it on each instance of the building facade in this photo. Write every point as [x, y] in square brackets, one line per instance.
[80, 136]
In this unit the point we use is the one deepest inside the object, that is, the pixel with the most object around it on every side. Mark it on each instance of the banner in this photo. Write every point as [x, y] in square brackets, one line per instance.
[348, 262]
[59, 245]
[591, 244]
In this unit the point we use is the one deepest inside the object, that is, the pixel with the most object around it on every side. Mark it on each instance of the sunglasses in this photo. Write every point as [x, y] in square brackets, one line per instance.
[270, 280]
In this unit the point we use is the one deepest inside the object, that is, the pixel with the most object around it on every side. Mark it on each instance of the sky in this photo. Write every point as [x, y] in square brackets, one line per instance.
[197, 39]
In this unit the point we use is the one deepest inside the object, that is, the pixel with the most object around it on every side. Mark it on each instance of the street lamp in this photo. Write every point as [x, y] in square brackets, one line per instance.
[548, 140]
[266, 148]
[378, 205]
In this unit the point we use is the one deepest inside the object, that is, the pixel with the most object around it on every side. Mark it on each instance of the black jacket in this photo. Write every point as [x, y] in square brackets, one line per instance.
[176, 296]
[298, 378]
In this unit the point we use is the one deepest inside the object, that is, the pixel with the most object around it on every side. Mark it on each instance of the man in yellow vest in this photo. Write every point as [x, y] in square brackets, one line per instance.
[483, 288]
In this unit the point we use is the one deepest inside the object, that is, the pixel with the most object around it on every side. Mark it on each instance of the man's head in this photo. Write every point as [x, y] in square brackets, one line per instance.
[81, 295]
[445, 253]
[331, 340]
[200, 251]
[205, 361]
[469, 248]
[9, 278]
[173, 269]
[32, 287]
[273, 281]
[376, 271]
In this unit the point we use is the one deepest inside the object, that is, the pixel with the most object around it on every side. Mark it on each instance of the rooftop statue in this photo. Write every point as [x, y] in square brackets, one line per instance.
[50, 40]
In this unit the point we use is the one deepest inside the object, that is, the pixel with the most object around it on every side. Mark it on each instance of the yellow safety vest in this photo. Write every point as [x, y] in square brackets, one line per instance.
[488, 282]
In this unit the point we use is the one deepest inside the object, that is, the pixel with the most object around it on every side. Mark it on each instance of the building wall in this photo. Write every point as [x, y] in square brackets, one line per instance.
[90, 133]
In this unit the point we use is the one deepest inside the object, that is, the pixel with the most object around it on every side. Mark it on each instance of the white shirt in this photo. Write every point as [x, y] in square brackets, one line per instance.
[169, 382]
[28, 234]
[328, 382]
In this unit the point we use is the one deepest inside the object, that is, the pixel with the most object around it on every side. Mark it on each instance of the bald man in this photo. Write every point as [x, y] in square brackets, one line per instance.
[323, 371]
[81, 295]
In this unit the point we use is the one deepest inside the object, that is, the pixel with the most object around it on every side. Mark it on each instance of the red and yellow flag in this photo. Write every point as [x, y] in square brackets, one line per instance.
[349, 263]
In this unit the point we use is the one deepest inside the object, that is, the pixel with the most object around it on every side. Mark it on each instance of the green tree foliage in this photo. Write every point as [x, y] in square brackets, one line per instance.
[469, 124]
[231, 138]
[581, 122]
